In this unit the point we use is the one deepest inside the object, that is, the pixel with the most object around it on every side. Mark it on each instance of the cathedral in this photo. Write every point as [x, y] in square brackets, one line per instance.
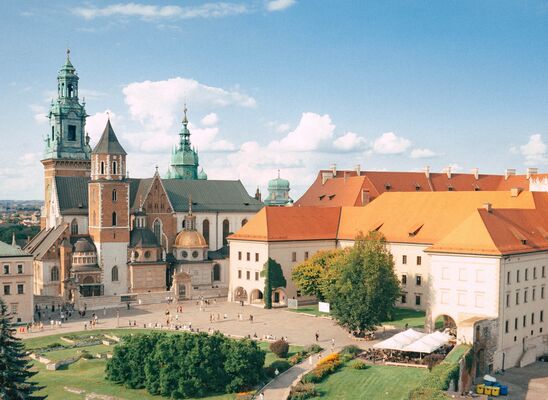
[107, 238]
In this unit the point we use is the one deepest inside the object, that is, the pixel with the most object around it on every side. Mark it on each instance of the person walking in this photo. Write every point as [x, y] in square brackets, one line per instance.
[317, 336]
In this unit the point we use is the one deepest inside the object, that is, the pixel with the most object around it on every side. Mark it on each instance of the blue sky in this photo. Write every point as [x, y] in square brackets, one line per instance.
[289, 84]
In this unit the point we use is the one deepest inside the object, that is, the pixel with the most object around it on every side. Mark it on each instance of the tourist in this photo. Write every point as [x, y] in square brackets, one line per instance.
[317, 336]
[251, 317]
[85, 326]
[261, 396]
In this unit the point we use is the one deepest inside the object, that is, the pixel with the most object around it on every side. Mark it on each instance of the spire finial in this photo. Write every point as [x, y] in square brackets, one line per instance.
[190, 205]
[108, 115]
[185, 119]
[68, 53]
[156, 168]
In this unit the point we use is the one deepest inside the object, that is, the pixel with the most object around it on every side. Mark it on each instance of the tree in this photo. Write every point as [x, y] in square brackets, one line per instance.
[315, 275]
[14, 366]
[274, 278]
[365, 288]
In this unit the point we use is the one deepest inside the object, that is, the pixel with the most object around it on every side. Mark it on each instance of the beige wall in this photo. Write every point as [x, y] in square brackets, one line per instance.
[20, 305]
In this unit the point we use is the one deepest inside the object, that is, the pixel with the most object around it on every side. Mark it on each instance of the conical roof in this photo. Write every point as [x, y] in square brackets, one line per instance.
[108, 144]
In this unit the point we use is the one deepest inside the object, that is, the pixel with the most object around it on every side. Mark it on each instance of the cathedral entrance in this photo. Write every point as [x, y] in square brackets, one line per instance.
[91, 290]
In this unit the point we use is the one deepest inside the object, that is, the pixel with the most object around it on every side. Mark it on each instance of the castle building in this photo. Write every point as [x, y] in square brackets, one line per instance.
[278, 192]
[110, 237]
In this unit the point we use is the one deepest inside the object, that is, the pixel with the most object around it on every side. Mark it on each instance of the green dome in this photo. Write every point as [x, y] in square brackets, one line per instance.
[278, 184]
[202, 175]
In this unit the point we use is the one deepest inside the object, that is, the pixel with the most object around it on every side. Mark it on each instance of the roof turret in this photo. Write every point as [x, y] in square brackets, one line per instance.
[108, 144]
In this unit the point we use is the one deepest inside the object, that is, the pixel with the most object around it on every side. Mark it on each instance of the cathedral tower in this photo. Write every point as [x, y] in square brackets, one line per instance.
[108, 193]
[67, 151]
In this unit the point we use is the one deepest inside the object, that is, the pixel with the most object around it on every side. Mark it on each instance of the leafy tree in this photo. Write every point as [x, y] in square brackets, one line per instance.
[21, 232]
[280, 347]
[14, 366]
[366, 287]
[244, 364]
[315, 275]
[274, 278]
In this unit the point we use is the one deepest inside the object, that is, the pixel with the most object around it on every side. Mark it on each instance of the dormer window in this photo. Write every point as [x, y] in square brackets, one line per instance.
[71, 136]
[450, 188]
[387, 186]
[417, 187]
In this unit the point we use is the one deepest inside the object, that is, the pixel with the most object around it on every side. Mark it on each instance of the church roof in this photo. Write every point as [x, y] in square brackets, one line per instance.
[7, 250]
[142, 237]
[108, 144]
[40, 245]
[72, 194]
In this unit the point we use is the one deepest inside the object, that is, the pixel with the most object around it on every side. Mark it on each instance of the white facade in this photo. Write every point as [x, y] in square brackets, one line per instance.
[113, 254]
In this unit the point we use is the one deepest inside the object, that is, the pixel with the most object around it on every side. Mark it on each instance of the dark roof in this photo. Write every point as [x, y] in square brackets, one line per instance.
[72, 194]
[210, 195]
[142, 237]
[46, 240]
[108, 144]
[84, 246]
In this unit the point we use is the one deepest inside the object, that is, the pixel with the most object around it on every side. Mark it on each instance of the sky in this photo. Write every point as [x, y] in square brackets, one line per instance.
[289, 85]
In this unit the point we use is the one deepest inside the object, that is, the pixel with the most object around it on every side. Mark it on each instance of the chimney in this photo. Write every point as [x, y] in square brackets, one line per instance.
[488, 207]
[427, 171]
[448, 172]
[509, 172]
[514, 192]
[334, 169]
[358, 169]
[531, 171]
[475, 171]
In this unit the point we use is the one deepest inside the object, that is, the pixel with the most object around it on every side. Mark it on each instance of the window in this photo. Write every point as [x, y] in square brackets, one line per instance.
[517, 276]
[102, 167]
[418, 280]
[525, 296]
[7, 290]
[306, 255]
[532, 318]
[239, 274]
[216, 272]
[52, 133]
[147, 254]
[507, 300]
[542, 292]
[114, 274]
[506, 326]
[20, 288]
[404, 298]
[526, 274]
[114, 195]
[256, 257]
[240, 255]
[508, 278]
[248, 256]
[114, 168]
[541, 316]
[157, 228]
[534, 272]
[19, 268]
[226, 231]
[247, 275]
[419, 260]
[417, 299]
[6, 269]
[542, 273]
[184, 254]
[205, 230]
[533, 295]
[404, 279]
[256, 276]
[71, 136]
[516, 324]
[194, 254]
[524, 321]
[54, 274]
[294, 256]
[404, 259]
[517, 298]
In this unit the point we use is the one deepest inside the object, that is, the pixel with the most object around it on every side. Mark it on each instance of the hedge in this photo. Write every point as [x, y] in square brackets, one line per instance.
[437, 381]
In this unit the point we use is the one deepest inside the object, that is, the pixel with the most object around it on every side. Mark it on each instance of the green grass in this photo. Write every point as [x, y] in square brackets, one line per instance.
[311, 309]
[89, 375]
[402, 316]
[378, 382]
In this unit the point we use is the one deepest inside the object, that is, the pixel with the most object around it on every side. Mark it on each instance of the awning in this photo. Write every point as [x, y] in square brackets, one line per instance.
[400, 340]
[429, 343]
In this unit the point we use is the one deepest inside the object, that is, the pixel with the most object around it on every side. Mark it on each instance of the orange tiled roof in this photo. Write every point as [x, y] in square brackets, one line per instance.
[291, 223]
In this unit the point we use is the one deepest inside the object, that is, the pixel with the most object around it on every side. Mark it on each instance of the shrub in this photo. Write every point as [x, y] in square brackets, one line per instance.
[351, 350]
[329, 359]
[357, 364]
[303, 391]
[87, 355]
[326, 366]
[296, 358]
[280, 365]
[280, 348]
[313, 348]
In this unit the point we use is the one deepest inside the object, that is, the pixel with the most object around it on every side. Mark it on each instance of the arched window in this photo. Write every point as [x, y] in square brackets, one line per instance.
[52, 133]
[157, 228]
[114, 168]
[114, 221]
[54, 274]
[216, 272]
[205, 230]
[244, 221]
[102, 167]
[70, 90]
[114, 274]
[114, 196]
[74, 227]
[183, 224]
[226, 230]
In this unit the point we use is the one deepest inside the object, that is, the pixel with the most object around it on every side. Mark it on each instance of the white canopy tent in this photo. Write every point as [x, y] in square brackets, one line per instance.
[428, 343]
[400, 340]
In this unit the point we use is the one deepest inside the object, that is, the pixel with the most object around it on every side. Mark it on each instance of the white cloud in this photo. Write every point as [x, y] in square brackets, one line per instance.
[29, 159]
[95, 124]
[349, 142]
[534, 150]
[40, 114]
[389, 143]
[454, 167]
[278, 5]
[313, 131]
[152, 12]
[210, 119]
[157, 104]
[422, 153]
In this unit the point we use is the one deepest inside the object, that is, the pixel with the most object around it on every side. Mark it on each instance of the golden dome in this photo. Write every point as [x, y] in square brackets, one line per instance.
[190, 239]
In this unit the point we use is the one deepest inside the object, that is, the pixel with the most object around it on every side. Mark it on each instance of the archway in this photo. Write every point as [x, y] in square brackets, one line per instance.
[256, 297]
[446, 323]
[240, 294]
[278, 297]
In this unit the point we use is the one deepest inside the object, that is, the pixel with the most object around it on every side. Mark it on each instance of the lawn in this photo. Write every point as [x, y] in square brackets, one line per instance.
[376, 382]
[402, 316]
[311, 309]
[89, 375]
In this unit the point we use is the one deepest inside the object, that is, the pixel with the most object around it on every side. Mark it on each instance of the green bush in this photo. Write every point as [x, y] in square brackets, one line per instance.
[357, 364]
[280, 348]
[312, 349]
[324, 369]
[87, 355]
[351, 350]
[296, 358]
[280, 365]
[303, 391]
